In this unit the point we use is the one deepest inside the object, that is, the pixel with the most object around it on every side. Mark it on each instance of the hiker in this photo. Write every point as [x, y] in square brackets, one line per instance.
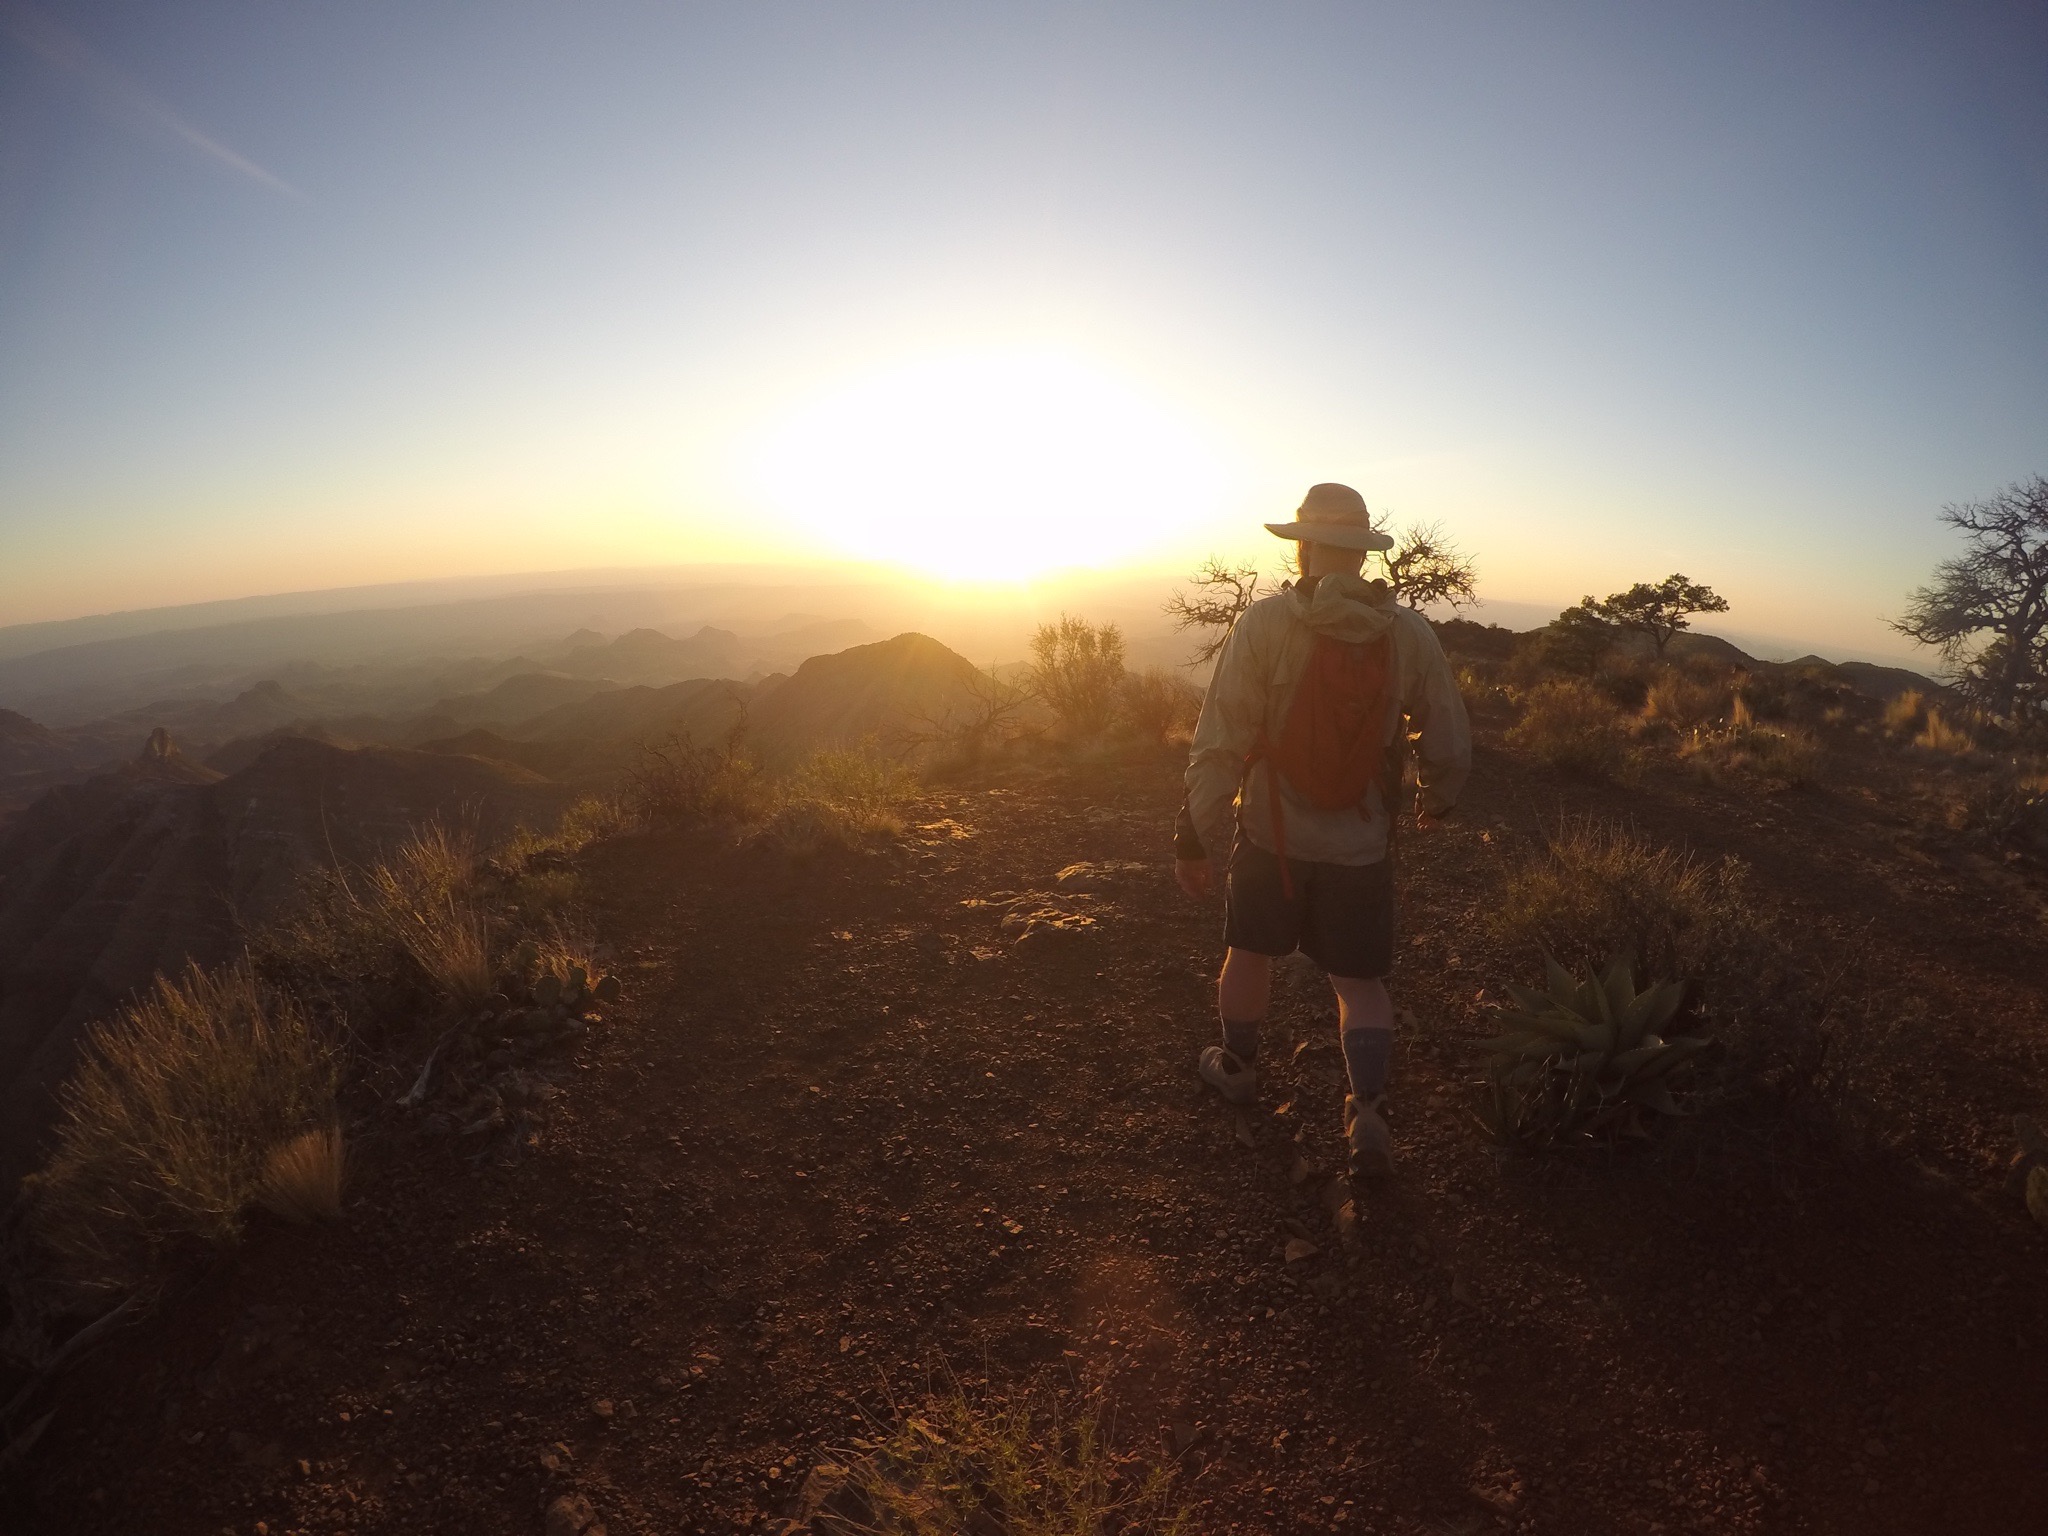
[1310, 694]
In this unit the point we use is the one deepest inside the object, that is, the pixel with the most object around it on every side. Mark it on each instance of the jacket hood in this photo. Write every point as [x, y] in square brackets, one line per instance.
[1345, 607]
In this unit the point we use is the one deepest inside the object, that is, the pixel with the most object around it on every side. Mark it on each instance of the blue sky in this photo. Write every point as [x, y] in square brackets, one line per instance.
[298, 296]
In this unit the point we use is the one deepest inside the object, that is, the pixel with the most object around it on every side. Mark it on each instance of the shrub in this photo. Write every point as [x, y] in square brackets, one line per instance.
[590, 820]
[677, 783]
[1625, 680]
[1778, 755]
[1585, 1058]
[840, 799]
[1077, 668]
[1789, 1026]
[170, 1124]
[1020, 1468]
[1160, 706]
[1600, 889]
[1570, 725]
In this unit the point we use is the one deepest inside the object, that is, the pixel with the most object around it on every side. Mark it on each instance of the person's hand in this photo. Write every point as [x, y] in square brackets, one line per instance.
[1196, 876]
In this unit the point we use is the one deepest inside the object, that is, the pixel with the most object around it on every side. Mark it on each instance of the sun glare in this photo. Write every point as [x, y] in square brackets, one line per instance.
[988, 465]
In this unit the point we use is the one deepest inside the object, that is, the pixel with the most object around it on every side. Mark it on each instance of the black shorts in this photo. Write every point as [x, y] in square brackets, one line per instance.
[1341, 915]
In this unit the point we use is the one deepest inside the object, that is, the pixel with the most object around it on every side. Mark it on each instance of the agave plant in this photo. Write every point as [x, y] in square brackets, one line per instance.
[1585, 1058]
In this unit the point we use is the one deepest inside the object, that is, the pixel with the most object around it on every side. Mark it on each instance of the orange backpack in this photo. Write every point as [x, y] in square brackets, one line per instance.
[1334, 745]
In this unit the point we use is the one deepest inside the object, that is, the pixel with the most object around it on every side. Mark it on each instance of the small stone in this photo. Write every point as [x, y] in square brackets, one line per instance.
[569, 1515]
[602, 1407]
[1300, 1248]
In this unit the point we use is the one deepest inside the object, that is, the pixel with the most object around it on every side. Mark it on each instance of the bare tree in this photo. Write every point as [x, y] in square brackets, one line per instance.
[1424, 566]
[1998, 587]
[1222, 593]
[987, 716]
[1658, 611]
[1157, 703]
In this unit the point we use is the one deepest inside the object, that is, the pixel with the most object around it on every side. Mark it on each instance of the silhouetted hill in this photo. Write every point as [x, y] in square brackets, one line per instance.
[107, 883]
[26, 747]
[244, 750]
[701, 708]
[649, 656]
[515, 699]
[870, 690]
[1869, 678]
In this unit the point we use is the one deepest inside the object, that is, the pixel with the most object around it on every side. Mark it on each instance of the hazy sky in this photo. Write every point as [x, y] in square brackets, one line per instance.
[301, 295]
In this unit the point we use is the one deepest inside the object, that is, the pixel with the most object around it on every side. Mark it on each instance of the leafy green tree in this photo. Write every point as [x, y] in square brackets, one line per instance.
[1659, 611]
[1576, 639]
[1987, 609]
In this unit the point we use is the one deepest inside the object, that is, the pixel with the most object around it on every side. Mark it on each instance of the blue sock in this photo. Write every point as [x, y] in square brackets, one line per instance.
[1241, 1040]
[1366, 1055]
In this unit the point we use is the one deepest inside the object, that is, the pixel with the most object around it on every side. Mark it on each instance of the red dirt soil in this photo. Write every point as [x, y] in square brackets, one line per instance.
[843, 1137]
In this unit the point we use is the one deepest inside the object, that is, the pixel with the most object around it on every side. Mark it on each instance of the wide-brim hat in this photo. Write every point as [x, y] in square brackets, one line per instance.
[1336, 515]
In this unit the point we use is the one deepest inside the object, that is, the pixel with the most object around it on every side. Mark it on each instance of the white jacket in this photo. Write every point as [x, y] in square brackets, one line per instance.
[1253, 686]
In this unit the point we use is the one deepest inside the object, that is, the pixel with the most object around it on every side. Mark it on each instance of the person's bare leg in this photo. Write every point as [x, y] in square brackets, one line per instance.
[1362, 1004]
[1243, 993]
[1365, 1022]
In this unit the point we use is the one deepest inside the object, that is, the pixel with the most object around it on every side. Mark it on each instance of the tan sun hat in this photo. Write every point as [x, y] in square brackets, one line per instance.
[1333, 514]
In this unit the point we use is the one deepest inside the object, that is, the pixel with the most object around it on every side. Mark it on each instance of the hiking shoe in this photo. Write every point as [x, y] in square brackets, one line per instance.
[1371, 1143]
[1237, 1081]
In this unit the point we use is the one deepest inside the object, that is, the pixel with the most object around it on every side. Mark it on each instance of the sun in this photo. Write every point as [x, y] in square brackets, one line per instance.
[988, 465]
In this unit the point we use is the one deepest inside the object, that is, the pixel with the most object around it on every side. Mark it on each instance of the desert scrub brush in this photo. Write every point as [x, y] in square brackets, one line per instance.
[1586, 1058]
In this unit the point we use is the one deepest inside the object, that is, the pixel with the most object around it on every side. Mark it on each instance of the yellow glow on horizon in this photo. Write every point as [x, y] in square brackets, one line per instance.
[999, 465]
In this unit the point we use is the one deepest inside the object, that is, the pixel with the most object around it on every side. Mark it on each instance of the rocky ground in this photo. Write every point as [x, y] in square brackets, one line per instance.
[872, 1122]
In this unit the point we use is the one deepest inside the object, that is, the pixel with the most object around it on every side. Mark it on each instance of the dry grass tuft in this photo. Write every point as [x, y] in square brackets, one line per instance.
[1939, 734]
[1601, 889]
[303, 1177]
[1905, 714]
[422, 897]
[171, 1119]
[1017, 1468]
[1571, 725]
[1686, 702]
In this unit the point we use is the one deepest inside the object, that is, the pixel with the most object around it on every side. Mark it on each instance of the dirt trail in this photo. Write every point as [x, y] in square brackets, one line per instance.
[844, 1133]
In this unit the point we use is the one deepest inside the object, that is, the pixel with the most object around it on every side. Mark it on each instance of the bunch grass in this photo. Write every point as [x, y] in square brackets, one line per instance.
[169, 1127]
